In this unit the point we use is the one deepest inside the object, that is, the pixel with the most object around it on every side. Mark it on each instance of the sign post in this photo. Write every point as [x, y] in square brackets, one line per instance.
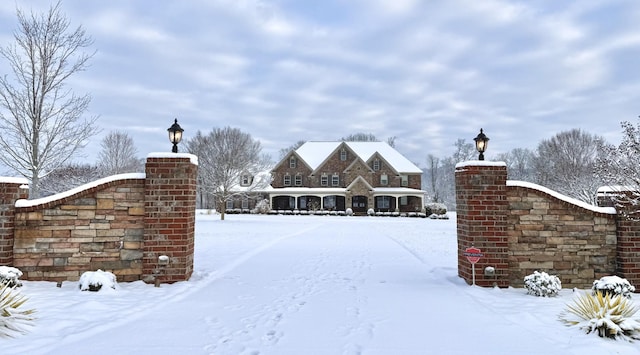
[473, 254]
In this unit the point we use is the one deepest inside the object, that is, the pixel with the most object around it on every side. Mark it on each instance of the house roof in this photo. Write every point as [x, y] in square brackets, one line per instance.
[315, 153]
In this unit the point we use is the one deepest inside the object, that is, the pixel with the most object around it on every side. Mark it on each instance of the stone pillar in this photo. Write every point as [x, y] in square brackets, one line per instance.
[482, 207]
[170, 208]
[10, 191]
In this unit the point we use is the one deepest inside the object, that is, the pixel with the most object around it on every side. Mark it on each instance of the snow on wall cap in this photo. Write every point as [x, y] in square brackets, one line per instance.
[13, 180]
[616, 188]
[43, 200]
[559, 196]
[480, 163]
[193, 158]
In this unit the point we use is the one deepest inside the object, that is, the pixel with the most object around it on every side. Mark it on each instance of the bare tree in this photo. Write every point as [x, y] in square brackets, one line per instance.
[566, 163]
[464, 151]
[619, 168]
[360, 137]
[284, 151]
[224, 156]
[118, 154]
[432, 173]
[519, 163]
[367, 137]
[41, 118]
[68, 177]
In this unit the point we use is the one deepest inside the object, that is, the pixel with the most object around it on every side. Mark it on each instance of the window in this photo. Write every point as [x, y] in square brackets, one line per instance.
[287, 180]
[329, 202]
[230, 205]
[298, 180]
[343, 155]
[384, 179]
[405, 180]
[335, 180]
[403, 200]
[246, 180]
[384, 202]
[292, 162]
[245, 203]
[376, 165]
[324, 180]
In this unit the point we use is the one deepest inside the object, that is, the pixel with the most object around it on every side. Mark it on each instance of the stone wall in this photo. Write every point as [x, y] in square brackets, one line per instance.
[101, 227]
[120, 224]
[522, 227]
[547, 233]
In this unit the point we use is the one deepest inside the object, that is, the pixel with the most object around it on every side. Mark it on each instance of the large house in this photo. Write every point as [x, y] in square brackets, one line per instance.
[336, 176]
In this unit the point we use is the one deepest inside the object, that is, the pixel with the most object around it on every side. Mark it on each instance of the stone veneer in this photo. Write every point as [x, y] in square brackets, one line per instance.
[547, 233]
[522, 227]
[120, 224]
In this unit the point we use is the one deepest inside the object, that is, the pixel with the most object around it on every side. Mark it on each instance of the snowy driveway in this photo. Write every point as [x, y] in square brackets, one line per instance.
[313, 285]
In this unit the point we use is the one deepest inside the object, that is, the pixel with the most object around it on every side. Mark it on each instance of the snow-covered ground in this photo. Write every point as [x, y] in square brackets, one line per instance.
[308, 285]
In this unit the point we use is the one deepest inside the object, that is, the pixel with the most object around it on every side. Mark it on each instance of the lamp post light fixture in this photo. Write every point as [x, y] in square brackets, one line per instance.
[481, 144]
[175, 135]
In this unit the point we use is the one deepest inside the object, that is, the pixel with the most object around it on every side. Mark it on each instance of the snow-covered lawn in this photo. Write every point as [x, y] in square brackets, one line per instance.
[308, 285]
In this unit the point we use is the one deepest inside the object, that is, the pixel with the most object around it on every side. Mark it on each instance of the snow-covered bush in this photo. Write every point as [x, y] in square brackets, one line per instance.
[608, 316]
[542, 284]
[10, 276]
[435, 208]
[13, 320]
[371, 212]
[613, 285]
[95, 280]
[262, 207]
[349, 212]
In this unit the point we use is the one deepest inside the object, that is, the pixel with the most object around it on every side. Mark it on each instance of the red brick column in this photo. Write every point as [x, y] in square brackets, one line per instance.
[628, 244]
[170, 210]
[482, 206]
[10, 191]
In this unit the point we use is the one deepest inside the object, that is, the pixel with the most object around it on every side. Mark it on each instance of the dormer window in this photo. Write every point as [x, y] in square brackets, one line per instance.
[343, 155]
[376, 164]
[245, 180]
[292, 162]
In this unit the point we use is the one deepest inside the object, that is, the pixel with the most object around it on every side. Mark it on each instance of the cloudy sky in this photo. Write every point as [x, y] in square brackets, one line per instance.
[426, 72]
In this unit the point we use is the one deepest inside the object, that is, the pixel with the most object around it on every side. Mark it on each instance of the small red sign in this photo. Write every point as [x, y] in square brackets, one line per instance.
[473, 254]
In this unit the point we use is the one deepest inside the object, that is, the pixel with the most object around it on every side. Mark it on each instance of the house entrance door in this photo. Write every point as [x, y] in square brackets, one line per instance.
[359, 204]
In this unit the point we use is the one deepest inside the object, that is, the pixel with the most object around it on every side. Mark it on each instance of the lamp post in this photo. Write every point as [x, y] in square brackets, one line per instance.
[175, 135]
[481, 144]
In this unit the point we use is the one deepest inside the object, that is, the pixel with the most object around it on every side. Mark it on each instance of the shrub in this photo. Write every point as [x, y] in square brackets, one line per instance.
[349, 212]
[371, 212]
[262, 207]
[94, 280]
[542, 284]
[613, 285]
[435, 208]
[13, 320]
[610, 316]
[10, 275]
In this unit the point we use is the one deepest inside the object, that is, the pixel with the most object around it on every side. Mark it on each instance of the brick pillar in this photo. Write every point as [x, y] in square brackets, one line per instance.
[628, 243]
[482, 206]
[10, 191]
[170, 211]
